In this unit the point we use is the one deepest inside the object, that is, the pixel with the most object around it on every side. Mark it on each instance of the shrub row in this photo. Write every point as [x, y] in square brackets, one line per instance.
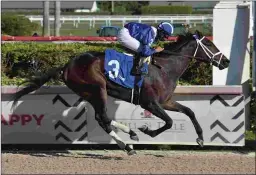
[166, 10]
[17, 25]
[50, 55]
[202, 12]
[146, 10]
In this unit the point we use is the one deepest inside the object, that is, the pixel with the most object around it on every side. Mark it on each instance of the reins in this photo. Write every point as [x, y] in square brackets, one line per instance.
[205, 49]
[174, 52]
[187, 56]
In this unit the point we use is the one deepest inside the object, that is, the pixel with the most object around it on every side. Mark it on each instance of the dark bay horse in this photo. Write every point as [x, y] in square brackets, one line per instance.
[84, 75]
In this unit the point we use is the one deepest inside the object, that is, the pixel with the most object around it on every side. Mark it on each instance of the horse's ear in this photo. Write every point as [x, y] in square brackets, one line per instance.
[199, 34]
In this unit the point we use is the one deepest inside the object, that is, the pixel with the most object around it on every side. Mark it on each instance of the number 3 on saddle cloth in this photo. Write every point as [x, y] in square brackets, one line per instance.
[118, 69]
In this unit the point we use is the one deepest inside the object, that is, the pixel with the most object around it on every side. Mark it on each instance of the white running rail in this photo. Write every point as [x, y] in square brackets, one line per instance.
[124, 19]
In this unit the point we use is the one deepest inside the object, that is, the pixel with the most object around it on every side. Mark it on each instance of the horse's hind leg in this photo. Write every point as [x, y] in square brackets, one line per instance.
[99, 104]
[175, 106]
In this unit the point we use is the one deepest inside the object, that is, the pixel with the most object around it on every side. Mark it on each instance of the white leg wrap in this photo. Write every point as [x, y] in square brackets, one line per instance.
[120, 126]
[118, 140]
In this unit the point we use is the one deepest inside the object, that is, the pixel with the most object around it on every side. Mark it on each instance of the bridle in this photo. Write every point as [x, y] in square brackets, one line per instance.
[207, 51]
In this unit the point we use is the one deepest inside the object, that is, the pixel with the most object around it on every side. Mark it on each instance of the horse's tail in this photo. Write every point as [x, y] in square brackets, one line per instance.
[34, 83]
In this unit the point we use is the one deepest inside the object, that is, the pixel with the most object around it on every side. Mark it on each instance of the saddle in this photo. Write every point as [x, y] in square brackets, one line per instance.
[117, 68]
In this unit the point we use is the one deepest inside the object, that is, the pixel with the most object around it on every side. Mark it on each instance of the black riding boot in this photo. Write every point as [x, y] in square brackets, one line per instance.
[136, 66]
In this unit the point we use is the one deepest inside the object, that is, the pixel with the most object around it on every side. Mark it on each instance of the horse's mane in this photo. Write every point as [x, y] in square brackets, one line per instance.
[181, 40]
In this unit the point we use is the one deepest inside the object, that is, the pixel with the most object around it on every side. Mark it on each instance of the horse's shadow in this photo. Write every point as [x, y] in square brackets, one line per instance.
[100, 156]
[68, 154]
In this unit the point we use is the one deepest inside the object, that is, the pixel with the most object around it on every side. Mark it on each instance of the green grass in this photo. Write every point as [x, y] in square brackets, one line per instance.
[84, 28]
[250, 135]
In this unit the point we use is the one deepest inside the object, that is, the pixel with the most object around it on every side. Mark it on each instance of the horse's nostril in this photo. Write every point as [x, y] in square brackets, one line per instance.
[221, 67]
[227, 63]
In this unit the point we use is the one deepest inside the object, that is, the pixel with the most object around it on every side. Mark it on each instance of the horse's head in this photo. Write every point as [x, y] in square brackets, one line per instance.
[207, 51]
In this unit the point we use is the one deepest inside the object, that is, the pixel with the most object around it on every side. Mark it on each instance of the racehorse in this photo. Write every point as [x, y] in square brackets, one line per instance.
[85, 76]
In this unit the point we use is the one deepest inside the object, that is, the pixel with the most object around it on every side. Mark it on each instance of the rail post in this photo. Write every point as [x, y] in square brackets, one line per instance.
[231, 35]
[57, 18]
[46, 19]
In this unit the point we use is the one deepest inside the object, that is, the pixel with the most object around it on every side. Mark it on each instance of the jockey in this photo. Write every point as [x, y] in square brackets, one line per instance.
[139, 38]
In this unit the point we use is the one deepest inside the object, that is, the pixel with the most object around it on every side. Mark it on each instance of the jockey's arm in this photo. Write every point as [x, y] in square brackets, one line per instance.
[146, 44]
[146, 50]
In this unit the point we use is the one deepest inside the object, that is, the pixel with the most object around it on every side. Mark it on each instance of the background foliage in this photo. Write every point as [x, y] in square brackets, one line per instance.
[166, 10]
[49, 55]
[17, 25]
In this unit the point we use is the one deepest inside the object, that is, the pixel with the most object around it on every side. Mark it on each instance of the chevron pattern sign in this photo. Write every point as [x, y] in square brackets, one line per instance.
[61, 117]
[66, 129]
[228, 129]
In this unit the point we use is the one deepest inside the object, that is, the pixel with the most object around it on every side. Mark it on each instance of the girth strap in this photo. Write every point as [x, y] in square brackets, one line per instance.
[135, 95]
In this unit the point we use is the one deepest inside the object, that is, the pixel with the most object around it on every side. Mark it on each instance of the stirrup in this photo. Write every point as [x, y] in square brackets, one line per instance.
[147, 60]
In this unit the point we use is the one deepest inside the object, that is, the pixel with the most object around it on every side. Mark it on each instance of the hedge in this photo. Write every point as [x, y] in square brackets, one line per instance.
[145, 10]
[203, 12]
[116, 12]
[16, 25]
[52, 55]
[166, 10]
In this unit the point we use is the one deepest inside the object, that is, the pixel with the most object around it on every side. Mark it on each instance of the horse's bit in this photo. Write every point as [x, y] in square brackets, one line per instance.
[207, 51]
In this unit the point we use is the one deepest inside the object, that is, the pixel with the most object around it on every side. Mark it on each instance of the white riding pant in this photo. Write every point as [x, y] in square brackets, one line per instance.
[127, 40]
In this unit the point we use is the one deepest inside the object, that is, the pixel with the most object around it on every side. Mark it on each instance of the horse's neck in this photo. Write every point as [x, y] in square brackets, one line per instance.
[175, 65]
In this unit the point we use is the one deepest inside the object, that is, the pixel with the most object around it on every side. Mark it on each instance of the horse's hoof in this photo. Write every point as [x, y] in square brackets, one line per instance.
[143, 128]
[132, 152]
[135, 138]
[147, 131]
[200, 142]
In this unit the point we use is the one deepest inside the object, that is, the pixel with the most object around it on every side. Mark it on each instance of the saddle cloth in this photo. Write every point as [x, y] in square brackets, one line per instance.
[118, 67]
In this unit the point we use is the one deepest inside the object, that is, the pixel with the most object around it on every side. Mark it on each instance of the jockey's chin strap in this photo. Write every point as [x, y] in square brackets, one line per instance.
[207, 51]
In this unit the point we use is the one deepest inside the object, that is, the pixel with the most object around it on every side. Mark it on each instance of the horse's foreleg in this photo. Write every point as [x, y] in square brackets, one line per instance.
[125, 129]
[175, 106]
[156, 109]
